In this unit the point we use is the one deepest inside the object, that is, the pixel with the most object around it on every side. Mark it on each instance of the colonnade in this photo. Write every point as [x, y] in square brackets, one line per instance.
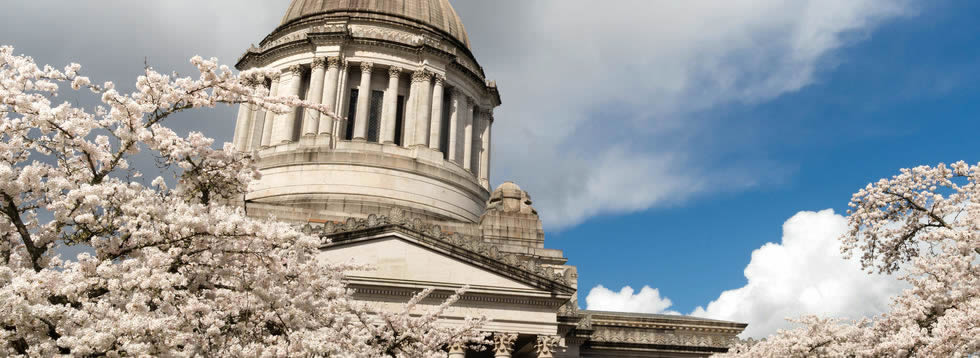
[503, 346]
[469, 125]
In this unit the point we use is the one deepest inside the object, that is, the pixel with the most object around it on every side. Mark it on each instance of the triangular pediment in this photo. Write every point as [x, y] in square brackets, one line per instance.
[395, 259]
[402, 255]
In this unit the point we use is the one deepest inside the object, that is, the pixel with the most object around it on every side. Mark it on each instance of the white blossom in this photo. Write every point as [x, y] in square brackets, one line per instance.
[923, 225]
[175, 271]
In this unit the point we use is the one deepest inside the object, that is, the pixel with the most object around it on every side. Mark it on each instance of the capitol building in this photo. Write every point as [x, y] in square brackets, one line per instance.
[400, 180]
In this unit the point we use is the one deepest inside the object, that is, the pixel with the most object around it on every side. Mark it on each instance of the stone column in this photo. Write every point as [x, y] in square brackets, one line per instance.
[390, 110]
[339, 127]
[457, 350]
[503, 344]
[546, 345]
[242, 125]
[311, 123]
[478, 122]
[468, 137]
[423, 106]
[435, 126]
[255, 130]
[487, 121]
[270, 116]
[285, 125]
[330, 95]
[454, 127]
[410, 114]
[363, 102]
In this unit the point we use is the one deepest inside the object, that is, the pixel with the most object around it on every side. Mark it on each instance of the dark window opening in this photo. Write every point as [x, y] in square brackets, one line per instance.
[444, 125]
[374, 118]
[351, 114]
[399, 120]
[301, 112]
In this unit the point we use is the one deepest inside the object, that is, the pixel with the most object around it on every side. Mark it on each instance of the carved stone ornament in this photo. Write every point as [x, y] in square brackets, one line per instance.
[585, 323]
[367, 67]
[333, 62]
[440, 80]
[503, 343]
[570, 308]
[296, 70]
[624, 335]
[473, 244]
[298, 35]
[381, 33]
[546, 345]
[394, 71]
[319, 62]
[421, 76]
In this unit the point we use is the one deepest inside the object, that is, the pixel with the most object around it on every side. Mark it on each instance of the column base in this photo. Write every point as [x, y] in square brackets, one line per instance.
[324, 139]
[308, 140]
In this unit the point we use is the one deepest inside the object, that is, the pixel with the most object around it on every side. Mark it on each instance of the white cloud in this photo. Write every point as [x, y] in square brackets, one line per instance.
[648, 300]
[601, 99]
[804, 274]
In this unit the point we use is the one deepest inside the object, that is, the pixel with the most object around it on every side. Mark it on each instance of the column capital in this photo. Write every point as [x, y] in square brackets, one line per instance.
[367, 66]
[440, 80]
[275, 76]
[333, 62]
[457, 347]
[546, 345]
[252, 82]
[394, 71]
[295, 70]
[503, 343]
[421, 76]
[319, 62]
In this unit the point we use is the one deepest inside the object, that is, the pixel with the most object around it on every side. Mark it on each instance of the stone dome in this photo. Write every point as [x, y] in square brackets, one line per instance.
[435, 13]
[508, 186]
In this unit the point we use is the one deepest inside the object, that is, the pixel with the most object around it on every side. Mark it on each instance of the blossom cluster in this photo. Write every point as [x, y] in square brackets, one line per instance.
[924, 226]
[173, 271]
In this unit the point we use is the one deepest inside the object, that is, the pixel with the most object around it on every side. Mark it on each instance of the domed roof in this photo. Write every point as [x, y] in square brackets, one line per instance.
[436, 13]
[508, 186]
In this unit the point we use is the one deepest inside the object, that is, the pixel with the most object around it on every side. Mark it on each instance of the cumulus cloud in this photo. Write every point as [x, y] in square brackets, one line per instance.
[601, 102]
[648, 300]
[803, 274]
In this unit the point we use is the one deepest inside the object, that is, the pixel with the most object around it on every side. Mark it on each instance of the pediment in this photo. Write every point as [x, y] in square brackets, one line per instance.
[395, 259]
[404, 253]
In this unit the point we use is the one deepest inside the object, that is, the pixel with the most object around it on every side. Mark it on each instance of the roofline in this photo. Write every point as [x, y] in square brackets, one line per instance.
[481, 260]
[662, 317]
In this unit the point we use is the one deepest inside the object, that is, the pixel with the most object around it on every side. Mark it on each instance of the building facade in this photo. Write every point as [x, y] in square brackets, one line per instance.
[400, 180]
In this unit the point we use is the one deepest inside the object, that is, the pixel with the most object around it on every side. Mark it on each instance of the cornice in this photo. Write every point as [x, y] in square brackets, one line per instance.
[379, 291]
[305, 35]
[470, 248]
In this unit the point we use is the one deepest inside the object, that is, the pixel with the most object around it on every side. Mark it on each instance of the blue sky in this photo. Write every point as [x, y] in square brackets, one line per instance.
[905, 96]
[664, 142]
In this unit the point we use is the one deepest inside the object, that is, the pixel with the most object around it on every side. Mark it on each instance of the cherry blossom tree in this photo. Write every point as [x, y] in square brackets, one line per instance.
[924, 226]
[175, 271]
